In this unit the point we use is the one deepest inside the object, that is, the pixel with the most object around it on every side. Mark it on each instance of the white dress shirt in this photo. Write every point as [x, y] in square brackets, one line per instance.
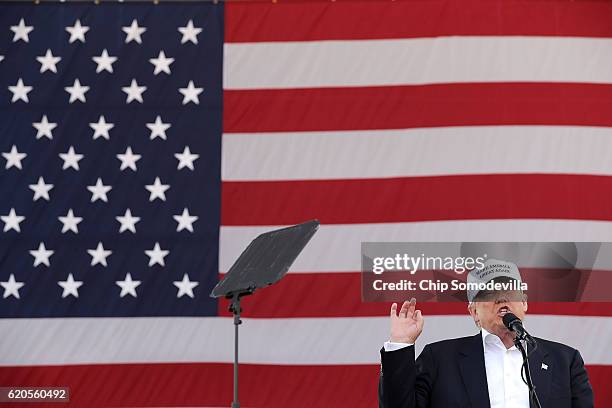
[503, 367]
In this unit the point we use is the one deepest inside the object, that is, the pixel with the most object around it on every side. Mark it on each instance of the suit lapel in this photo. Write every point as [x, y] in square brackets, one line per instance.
[473, 371]
[541, 370]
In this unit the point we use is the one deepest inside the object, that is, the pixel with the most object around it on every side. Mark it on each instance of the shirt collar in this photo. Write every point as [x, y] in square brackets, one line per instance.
[495, 338]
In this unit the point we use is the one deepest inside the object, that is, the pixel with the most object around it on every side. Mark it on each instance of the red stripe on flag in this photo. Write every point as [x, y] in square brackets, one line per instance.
[400, 107]
[210, 385]
[541, 196]
[339, 295]
[599, 377]
[339, 20]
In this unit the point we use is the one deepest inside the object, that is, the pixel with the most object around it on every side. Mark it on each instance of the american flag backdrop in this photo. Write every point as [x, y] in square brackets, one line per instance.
[144, 145]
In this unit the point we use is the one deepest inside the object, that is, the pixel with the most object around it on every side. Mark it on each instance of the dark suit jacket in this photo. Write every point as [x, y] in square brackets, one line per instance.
[452, 374]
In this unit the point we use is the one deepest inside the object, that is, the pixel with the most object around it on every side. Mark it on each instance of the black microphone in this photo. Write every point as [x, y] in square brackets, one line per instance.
[515, 324]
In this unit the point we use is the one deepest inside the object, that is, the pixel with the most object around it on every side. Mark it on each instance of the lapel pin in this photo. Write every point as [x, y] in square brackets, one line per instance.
[544, 366]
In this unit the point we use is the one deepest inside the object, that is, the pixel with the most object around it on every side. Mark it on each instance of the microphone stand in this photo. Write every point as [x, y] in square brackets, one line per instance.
[527, 379]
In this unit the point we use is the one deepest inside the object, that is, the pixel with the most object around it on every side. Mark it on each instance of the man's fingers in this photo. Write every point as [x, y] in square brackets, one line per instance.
[418, 316]
[411, 307]
[394, 310]
[404, 310]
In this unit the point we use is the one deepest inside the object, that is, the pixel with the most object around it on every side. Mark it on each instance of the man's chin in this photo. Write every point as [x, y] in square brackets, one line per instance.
[500, 328]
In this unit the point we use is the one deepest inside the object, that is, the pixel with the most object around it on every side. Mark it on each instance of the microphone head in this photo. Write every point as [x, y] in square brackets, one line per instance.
[509, 319]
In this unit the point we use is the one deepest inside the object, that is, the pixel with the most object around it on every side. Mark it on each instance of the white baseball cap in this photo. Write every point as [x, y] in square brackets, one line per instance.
[492, 269]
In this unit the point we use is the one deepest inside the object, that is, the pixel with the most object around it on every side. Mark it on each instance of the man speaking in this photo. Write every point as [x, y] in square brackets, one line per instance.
[481, 371]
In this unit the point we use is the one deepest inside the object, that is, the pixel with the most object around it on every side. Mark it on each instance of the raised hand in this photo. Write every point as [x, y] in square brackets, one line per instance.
[408, 325]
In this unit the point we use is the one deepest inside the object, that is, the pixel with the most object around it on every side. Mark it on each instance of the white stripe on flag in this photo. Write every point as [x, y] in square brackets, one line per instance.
[417, 61]
[327, 341]
[417, 152]
[337, 247]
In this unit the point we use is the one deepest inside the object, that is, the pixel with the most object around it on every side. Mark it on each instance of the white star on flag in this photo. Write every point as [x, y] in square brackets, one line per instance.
[77, 91]
[101, 128]
[21, 31]
[157, 190]
[190, 93]
[99, 255]
[70, 286]
[128, 286]
[14, 158]
[127, 221]
[128, 159]
[48, 62]
[77, 32]
[185, 286]
[161, 63]
[12, 221]
[71, 159]
[157, 255]
[134, 92]
[70, 222]
[158, 128]
[11, 287]
[41, 189]
[186, 158]
[104, 62]
[44, 128]
[41, 255]
[20, 91]
[185, 221]
[133, 32]
[190, 33]
[98, 191]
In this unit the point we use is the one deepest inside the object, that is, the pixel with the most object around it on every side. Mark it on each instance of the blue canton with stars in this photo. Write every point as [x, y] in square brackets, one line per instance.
[110, 134]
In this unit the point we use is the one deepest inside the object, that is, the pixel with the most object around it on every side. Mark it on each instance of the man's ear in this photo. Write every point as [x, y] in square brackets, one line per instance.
[474, 313]
[525, 305]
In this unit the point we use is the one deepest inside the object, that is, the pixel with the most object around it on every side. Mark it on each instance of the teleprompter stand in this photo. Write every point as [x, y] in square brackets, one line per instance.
[264, 262]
